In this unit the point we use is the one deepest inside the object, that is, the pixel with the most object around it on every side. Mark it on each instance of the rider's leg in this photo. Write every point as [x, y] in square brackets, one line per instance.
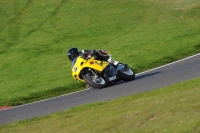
[112, 61]
[107, 57]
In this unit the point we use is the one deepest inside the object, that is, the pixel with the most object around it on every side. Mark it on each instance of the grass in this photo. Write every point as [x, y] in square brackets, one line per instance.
[173, 109]
[35, 35]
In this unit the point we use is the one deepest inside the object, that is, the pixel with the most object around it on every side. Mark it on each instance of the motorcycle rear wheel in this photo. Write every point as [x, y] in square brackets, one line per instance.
[96, 82]
[128, 74]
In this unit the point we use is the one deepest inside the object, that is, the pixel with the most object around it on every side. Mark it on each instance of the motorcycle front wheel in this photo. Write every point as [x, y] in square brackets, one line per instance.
[94, 80]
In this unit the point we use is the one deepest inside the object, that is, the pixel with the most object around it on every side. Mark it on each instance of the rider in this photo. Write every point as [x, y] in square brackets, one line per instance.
[99, 55]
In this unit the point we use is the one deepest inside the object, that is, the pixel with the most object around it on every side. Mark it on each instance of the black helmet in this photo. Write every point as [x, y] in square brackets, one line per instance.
[72, 53]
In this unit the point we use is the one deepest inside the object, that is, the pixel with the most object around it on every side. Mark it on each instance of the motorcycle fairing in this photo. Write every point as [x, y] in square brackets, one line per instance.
[79, 64]
[110, 72]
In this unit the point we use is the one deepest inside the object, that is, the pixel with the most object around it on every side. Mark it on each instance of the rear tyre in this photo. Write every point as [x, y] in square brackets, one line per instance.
[94, 80]
[127, 74]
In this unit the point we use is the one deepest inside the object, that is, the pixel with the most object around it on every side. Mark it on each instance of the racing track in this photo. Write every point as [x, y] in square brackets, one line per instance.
[156, 78]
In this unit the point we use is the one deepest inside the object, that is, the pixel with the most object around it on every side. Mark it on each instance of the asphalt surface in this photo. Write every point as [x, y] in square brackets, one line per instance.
[164, 76]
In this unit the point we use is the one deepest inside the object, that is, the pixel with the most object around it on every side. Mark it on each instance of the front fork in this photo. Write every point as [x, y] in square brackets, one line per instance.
[95, 75]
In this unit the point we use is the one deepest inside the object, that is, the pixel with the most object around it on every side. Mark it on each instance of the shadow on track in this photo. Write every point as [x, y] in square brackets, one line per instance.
[140, 77]
[146, 75]
[136, 78]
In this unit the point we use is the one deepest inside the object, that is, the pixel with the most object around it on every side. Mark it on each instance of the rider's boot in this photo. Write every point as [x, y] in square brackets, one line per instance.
[110, 60]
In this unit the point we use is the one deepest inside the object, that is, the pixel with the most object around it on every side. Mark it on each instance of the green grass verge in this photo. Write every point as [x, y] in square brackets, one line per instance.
[173, 109]
[35, 35]
[45, 94]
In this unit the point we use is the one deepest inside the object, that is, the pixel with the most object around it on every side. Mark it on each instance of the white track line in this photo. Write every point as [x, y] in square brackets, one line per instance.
[168, 64]
[87, 89]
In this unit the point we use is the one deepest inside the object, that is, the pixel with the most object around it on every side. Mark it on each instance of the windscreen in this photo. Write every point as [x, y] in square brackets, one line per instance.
[74, 61]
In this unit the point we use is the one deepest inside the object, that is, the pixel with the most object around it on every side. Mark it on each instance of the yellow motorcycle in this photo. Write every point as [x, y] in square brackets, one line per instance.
[100, 74]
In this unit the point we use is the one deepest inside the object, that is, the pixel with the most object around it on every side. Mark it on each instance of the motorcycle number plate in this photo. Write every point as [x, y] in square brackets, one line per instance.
[112, 78]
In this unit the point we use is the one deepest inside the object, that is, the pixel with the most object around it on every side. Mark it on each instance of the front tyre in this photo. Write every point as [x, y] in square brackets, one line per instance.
[127, 73]
[94, 80]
